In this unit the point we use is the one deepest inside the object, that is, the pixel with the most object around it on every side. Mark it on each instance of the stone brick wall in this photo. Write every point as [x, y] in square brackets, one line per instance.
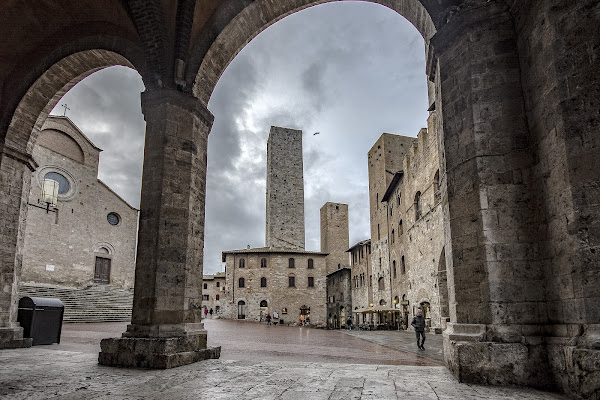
[285, 189]
[339, 298]
[61, 247]
[277, 293]
[362, 295]
[335, 235]
[385, 159]
[214, 288]
[418, 243]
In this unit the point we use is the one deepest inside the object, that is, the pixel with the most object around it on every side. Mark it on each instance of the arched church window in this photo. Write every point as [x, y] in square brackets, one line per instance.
[263, 282]
[242, 263]
[241, 282]
[263, 263]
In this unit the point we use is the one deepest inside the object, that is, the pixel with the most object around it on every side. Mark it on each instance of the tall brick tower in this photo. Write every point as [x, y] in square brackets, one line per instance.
[335, 238]
[285, 189]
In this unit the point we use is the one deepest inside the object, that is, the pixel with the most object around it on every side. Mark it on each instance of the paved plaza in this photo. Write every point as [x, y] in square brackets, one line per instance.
[258, 362]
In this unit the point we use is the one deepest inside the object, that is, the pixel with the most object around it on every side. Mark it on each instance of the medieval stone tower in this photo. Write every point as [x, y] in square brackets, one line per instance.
[285, 189]
[335, 238]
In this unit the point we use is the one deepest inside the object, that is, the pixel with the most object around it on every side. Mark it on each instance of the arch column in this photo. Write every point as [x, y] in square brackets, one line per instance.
[16, 166]
[495, 276]
[166, 329]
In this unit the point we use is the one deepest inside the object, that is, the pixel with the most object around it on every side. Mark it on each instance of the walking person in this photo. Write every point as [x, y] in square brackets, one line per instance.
[211, 312]
[205, 312]
[418, 322]
[268, 318]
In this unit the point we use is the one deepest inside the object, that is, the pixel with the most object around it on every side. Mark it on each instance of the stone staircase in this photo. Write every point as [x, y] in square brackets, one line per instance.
[96, 303]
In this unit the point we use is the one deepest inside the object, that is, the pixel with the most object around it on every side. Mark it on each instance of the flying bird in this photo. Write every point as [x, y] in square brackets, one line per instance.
[316, 133]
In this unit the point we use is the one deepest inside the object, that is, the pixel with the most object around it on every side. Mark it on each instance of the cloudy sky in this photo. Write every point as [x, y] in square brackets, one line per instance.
[349, 70]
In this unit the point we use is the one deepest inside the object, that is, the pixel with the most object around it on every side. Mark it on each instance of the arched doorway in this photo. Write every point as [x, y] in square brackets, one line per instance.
[241, 309]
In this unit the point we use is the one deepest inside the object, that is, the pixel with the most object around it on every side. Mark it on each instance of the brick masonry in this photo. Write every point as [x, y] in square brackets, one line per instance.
[61, 246]
[514, 85]
[285, 190]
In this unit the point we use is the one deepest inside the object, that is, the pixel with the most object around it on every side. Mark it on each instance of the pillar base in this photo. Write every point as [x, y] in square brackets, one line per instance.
[156, 353]
[473, 358]
[12, 338]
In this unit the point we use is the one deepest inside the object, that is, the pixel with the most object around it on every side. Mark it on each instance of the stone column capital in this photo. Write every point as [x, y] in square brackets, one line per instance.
[9, 150]
[152, 98]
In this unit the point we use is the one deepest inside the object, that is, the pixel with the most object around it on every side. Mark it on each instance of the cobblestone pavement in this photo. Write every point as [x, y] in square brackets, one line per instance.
[70, 370]
[404, 341]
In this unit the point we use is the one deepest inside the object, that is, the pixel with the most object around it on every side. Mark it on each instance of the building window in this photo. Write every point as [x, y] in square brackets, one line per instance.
[292, 281]
[418, 206]
[263, 282]
[381, 283]
[205, 297]
[205, 285]
[393, 240]
[378, 235]
[113, 218]
[394, 268]
[370, 280]
[241, 282]
[218, 284]
[216, 297]
[311, 281]
[291, 263]
[311, 263]
[402, 266]
[242, 263]
[399, 198]
[263, 263]
[263, 303]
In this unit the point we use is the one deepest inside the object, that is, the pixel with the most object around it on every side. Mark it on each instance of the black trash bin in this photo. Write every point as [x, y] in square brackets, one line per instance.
[41, 319]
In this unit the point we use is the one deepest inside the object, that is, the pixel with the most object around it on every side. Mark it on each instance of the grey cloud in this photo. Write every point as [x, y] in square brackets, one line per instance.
[350, 70]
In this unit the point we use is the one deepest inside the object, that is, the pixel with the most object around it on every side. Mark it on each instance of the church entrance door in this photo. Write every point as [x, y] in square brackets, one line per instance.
[102, 270]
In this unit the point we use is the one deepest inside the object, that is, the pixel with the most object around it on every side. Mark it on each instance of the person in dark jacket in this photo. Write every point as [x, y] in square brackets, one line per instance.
[418, 322]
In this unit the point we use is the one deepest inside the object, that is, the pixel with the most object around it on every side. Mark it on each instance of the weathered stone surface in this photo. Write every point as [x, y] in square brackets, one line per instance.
[155, 352]
[516, 89]
[62, 148]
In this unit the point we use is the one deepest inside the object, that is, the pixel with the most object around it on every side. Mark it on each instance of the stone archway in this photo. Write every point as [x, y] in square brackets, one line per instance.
[16, 165]
[478, 124]
[513, 85]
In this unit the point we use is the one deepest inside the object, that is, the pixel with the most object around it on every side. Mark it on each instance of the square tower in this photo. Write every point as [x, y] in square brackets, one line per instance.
[335, 238]
[285, 190]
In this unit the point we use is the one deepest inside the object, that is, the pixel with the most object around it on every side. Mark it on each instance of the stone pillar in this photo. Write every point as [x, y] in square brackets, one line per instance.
[166, 329]
[495, 278]
[15, 178]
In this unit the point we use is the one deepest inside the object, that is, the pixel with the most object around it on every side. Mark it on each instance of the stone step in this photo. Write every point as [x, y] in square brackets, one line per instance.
[102, 303]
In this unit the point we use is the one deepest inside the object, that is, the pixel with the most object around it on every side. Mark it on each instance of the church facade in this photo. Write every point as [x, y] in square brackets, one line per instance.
[89, 237]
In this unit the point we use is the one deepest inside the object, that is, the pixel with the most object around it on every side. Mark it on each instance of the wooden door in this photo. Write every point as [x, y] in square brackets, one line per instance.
[102, 270]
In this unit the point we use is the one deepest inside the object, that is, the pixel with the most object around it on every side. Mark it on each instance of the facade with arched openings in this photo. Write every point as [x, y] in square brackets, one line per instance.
[513, 84]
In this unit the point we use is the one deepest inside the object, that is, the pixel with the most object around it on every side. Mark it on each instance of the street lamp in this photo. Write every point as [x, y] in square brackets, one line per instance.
[49, 193]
